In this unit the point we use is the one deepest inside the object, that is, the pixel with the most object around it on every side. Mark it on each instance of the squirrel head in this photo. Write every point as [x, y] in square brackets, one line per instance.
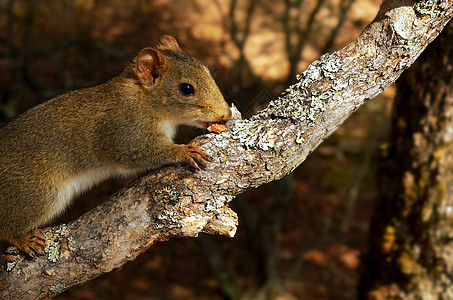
[183, 87]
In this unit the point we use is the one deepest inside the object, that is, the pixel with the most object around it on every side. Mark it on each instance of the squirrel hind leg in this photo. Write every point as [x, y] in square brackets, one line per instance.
[32, 243]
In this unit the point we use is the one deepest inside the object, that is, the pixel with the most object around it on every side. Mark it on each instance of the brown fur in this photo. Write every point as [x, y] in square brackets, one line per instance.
[65, 145]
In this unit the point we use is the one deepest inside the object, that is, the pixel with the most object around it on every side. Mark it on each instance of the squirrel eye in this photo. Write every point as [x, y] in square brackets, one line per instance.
[186, 89]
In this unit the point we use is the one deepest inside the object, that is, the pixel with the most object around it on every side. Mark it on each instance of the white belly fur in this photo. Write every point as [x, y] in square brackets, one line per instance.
[83, 182]
[169, 128]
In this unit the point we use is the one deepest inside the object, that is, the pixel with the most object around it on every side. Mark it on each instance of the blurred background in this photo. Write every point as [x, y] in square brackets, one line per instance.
[298, 238]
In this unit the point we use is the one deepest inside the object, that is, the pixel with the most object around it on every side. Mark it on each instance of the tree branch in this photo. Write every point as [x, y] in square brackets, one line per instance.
[175, 202]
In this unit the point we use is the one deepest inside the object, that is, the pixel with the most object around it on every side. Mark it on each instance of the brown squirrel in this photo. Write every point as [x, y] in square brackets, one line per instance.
[58, 149]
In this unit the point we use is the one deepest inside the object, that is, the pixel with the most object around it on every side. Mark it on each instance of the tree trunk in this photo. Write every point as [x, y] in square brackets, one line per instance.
[411, 238]
[174, 202]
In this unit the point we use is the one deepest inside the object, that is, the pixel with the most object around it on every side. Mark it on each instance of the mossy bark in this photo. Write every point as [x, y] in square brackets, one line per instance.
[411, 238]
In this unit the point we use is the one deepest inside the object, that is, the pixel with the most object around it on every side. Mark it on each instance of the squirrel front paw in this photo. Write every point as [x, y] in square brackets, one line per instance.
[195, 156]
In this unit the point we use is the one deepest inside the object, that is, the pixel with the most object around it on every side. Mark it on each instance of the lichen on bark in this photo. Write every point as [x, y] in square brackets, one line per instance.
[411, 250]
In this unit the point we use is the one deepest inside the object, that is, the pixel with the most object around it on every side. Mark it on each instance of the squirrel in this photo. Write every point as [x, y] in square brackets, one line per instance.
[62, 147]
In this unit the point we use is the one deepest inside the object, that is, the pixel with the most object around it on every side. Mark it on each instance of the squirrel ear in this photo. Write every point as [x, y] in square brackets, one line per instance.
[167, 42]
[149, 64]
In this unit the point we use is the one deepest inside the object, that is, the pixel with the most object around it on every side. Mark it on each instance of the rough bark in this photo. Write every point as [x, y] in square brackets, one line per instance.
[174, 202]
[410, 252]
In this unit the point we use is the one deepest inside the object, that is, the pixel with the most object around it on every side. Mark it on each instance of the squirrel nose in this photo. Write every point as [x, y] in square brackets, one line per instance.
[226, 116]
